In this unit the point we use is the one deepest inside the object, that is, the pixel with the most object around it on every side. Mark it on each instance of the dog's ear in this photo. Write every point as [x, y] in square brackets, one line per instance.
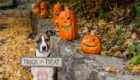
[32, 36]
[49, 32]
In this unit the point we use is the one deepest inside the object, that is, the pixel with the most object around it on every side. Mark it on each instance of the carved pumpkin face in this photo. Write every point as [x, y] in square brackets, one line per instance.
[37, 11]
[56, 23]
[91, 44]
[44, 14]
[43, 6]
[68, 29]
[56, 10]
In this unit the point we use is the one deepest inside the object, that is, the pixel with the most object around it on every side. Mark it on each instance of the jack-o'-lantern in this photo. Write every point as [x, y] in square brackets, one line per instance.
[57, 9]
[37, 5]
[37, 11]
[68, 29]
[43, 6]
[44, 14]
[91, 44]
[56, 23]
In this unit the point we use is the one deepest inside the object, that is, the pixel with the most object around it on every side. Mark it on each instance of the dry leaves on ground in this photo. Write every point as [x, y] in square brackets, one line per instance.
[16, 32]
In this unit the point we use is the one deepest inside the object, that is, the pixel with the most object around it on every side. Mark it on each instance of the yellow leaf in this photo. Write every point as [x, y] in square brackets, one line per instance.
[112, 68]
[135, 69]
[102, 22]
[85, 30]
[130, 66]
[1, 75]
[102, 53]
[122, 10]
[7, 74]
[134, 35]
[127, 41]
[1, 69]
[115, 7]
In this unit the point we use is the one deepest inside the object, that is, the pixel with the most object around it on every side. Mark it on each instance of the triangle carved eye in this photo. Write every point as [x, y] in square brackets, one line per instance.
[69, 18]
[86, 38]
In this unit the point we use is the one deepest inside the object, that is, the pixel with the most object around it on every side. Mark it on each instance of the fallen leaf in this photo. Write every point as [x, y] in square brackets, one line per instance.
[74, 53]
[85, 30]
[103, 52]
[112, 68]
[134, 35]
[118, 54]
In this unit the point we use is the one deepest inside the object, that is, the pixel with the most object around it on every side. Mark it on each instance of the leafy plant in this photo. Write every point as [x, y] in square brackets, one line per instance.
[136, 3]
[134, 49]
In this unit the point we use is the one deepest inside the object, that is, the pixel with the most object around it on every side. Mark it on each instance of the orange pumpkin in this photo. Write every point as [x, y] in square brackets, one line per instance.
[37, 11]
[91, 44]
[57, 9]
[43, 6]
[68, 29]
[37, 5]
[56, 23]
[44, 14]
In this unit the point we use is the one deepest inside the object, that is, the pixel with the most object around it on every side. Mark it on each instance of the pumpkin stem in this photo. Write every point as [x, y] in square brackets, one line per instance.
[67, 9]
[92, 32]
[57, 2]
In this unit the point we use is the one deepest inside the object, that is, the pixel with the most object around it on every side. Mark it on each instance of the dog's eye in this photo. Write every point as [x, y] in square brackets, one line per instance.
[38, 41]
[46, 40]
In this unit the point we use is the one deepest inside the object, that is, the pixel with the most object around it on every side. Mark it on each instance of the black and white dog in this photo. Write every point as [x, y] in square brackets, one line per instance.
[42, 44]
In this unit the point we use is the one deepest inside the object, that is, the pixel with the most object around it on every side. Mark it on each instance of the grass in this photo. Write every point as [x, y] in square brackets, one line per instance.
[6, 3]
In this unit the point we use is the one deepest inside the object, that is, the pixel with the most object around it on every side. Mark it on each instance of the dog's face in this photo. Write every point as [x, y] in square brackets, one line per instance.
[42, 41]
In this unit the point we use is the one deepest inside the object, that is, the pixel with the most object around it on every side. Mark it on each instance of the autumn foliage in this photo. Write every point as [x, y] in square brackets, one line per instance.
[15, 33]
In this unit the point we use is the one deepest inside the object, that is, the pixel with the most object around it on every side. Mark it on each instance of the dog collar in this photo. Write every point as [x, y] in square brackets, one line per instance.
[47, 56]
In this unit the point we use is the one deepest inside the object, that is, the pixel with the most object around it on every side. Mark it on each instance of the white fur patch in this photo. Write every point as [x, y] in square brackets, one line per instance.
[43, 44]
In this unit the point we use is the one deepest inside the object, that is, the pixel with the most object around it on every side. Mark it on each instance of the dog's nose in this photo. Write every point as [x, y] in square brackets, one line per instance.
[44, 48]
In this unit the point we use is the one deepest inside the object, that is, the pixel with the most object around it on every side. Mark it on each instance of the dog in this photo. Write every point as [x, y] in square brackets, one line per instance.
[42, 44]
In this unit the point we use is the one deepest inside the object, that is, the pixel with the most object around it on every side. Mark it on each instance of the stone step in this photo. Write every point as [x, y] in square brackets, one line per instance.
[81, 66]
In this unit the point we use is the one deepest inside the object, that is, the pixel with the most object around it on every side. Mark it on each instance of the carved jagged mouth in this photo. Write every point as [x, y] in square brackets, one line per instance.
[90, 47]
[37, 12]
[44, 15]
[67, 28]
[56, 14]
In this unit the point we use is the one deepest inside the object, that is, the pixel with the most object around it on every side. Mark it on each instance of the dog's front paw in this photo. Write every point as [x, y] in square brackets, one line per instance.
[35, 78]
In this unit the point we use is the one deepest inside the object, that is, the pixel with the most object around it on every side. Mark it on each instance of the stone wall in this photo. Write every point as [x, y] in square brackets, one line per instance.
[80, 66]
[41, 25]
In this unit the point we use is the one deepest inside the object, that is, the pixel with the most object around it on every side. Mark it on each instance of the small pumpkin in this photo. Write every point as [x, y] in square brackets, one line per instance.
[68, 29]
[56, 23]
[37, 11]
[91, 44]
[57, 9]
[43, 6]
[44, 14]
[37, 5]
